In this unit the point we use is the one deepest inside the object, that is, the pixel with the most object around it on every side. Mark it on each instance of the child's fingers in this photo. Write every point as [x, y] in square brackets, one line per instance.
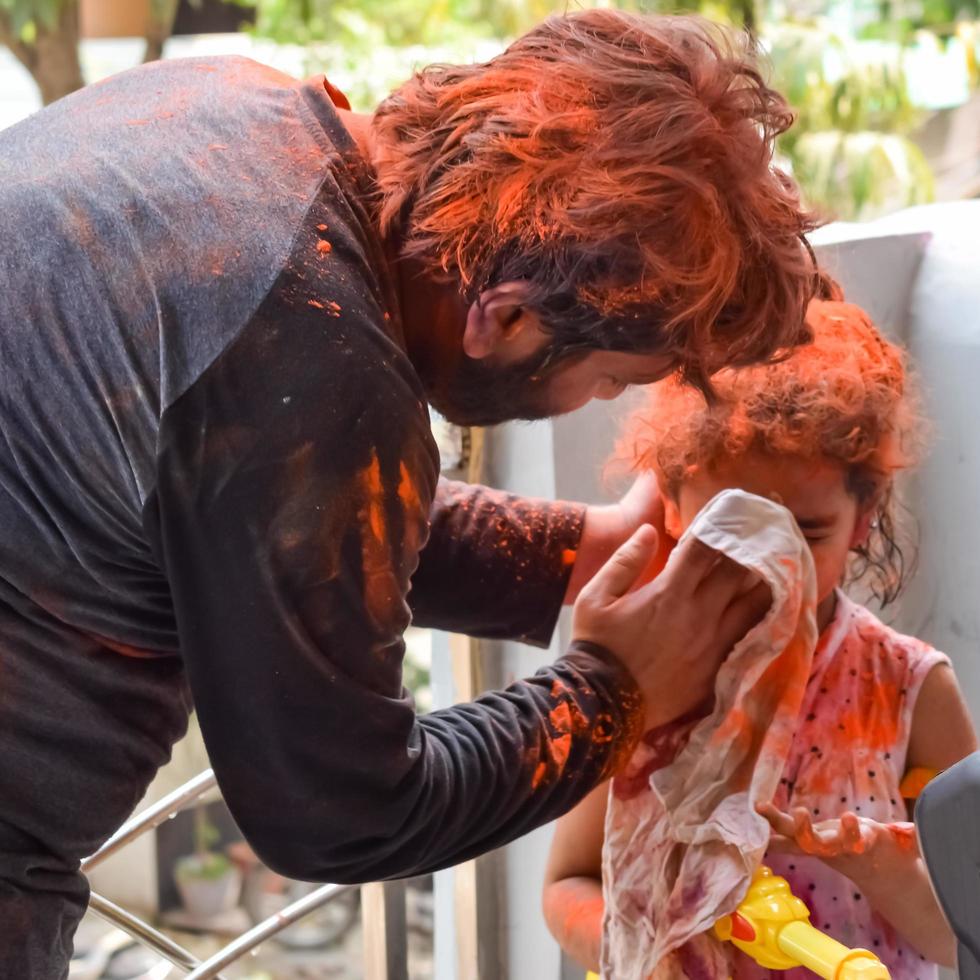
[781, 823]
[810, 839]
[851, 836]
[804, 833]
[780, 844]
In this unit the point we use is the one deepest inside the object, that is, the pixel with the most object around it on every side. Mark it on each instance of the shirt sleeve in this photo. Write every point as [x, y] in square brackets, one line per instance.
[293, 494]
[496, 565]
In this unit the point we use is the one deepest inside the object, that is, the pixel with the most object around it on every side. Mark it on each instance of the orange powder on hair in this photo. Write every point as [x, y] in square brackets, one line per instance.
[846, 398]
[843, 397]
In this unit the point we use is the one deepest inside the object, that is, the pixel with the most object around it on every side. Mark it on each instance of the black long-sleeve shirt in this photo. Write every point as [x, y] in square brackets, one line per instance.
[215, 464]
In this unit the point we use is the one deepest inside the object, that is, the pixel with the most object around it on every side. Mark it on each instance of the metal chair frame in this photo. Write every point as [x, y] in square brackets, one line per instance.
[143, 932]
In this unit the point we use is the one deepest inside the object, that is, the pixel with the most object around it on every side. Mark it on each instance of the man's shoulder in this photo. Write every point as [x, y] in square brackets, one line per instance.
[187, 75]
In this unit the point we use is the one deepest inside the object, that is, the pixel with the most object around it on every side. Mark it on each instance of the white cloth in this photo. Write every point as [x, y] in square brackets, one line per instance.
[682, 836]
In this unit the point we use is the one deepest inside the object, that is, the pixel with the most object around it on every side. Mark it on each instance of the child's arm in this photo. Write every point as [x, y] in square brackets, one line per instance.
[572, 897]
[883, 860]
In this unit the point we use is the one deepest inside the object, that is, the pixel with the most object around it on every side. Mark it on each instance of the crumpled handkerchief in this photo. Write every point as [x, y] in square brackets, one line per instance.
[682, 837]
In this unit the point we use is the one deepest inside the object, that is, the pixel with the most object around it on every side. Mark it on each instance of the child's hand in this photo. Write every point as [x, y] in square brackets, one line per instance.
[855, 846]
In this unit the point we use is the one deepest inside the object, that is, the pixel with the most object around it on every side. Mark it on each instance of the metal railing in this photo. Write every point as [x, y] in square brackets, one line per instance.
[382, 905]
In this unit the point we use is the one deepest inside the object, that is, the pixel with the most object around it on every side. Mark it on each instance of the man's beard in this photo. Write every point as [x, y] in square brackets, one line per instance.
[479, 394]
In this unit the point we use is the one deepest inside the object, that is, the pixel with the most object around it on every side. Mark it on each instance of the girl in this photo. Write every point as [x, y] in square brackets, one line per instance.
[824, 433]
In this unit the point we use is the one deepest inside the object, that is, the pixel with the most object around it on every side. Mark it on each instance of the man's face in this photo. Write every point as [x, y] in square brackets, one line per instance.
[480, 392]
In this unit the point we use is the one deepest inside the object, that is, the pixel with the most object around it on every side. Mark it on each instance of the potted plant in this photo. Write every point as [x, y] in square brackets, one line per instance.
[208, 882]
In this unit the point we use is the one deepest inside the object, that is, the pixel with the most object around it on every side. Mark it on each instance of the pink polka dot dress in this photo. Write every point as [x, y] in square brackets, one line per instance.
[849, 753]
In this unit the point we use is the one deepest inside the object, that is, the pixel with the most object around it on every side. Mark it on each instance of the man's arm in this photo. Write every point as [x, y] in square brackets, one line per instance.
[496, 565]
[500, 566]
[294, 483]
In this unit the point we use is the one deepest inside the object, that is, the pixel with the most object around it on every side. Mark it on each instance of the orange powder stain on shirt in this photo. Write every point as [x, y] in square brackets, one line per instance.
[324, 247]
[415, 517]
[407, 491]
[539, 773]
[565, 721]
[374, 496]
[382, 591]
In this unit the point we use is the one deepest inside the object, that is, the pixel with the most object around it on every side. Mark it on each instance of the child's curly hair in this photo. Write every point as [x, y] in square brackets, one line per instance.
[846, 397]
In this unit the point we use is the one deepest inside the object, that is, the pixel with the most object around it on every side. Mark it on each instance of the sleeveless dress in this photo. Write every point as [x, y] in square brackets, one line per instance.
[849, 753]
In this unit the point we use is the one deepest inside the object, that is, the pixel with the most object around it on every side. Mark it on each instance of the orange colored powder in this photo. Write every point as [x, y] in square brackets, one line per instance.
[903, 834]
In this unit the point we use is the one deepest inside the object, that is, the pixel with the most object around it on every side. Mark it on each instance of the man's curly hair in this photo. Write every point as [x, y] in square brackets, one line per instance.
[847, 397]
[620, 165]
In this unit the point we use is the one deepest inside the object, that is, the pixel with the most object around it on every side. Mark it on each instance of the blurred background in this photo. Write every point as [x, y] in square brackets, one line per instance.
[886, 93]
[886, 90]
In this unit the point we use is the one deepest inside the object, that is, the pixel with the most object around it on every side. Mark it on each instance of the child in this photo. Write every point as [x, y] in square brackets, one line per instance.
[824, 433]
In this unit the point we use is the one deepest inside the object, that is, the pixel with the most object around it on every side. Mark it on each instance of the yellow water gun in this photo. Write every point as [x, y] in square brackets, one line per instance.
[773, 927]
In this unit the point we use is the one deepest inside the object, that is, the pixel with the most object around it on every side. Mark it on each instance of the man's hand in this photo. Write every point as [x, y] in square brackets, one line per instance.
[606, 528]
[674, 632]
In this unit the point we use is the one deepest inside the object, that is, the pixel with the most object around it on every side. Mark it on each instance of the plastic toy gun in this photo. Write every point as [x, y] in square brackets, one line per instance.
[773, 927]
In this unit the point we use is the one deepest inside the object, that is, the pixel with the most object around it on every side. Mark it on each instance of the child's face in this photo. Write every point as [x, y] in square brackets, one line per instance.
[814, 492]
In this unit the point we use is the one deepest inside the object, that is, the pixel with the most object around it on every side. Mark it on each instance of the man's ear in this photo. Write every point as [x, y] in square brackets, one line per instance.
[496, 318]
[672, 518]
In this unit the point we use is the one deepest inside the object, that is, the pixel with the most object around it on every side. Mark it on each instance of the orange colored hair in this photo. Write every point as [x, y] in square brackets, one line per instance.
[847, 397]
[620, 165]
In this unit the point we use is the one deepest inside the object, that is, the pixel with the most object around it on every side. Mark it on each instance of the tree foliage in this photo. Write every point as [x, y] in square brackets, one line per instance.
[44, 37]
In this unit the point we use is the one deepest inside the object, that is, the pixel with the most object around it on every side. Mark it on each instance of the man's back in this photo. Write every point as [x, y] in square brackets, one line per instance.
[144, 222]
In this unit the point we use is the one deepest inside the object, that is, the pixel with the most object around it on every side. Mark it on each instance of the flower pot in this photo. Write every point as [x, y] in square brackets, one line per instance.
[208, 885]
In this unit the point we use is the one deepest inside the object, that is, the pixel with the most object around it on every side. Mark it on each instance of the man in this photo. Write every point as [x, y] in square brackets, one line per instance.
[225, 305]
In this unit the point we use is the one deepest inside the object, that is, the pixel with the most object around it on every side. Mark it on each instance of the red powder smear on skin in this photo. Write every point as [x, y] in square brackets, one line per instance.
[809, 841]
[903, 834]
[324, 247]
[578, 914]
